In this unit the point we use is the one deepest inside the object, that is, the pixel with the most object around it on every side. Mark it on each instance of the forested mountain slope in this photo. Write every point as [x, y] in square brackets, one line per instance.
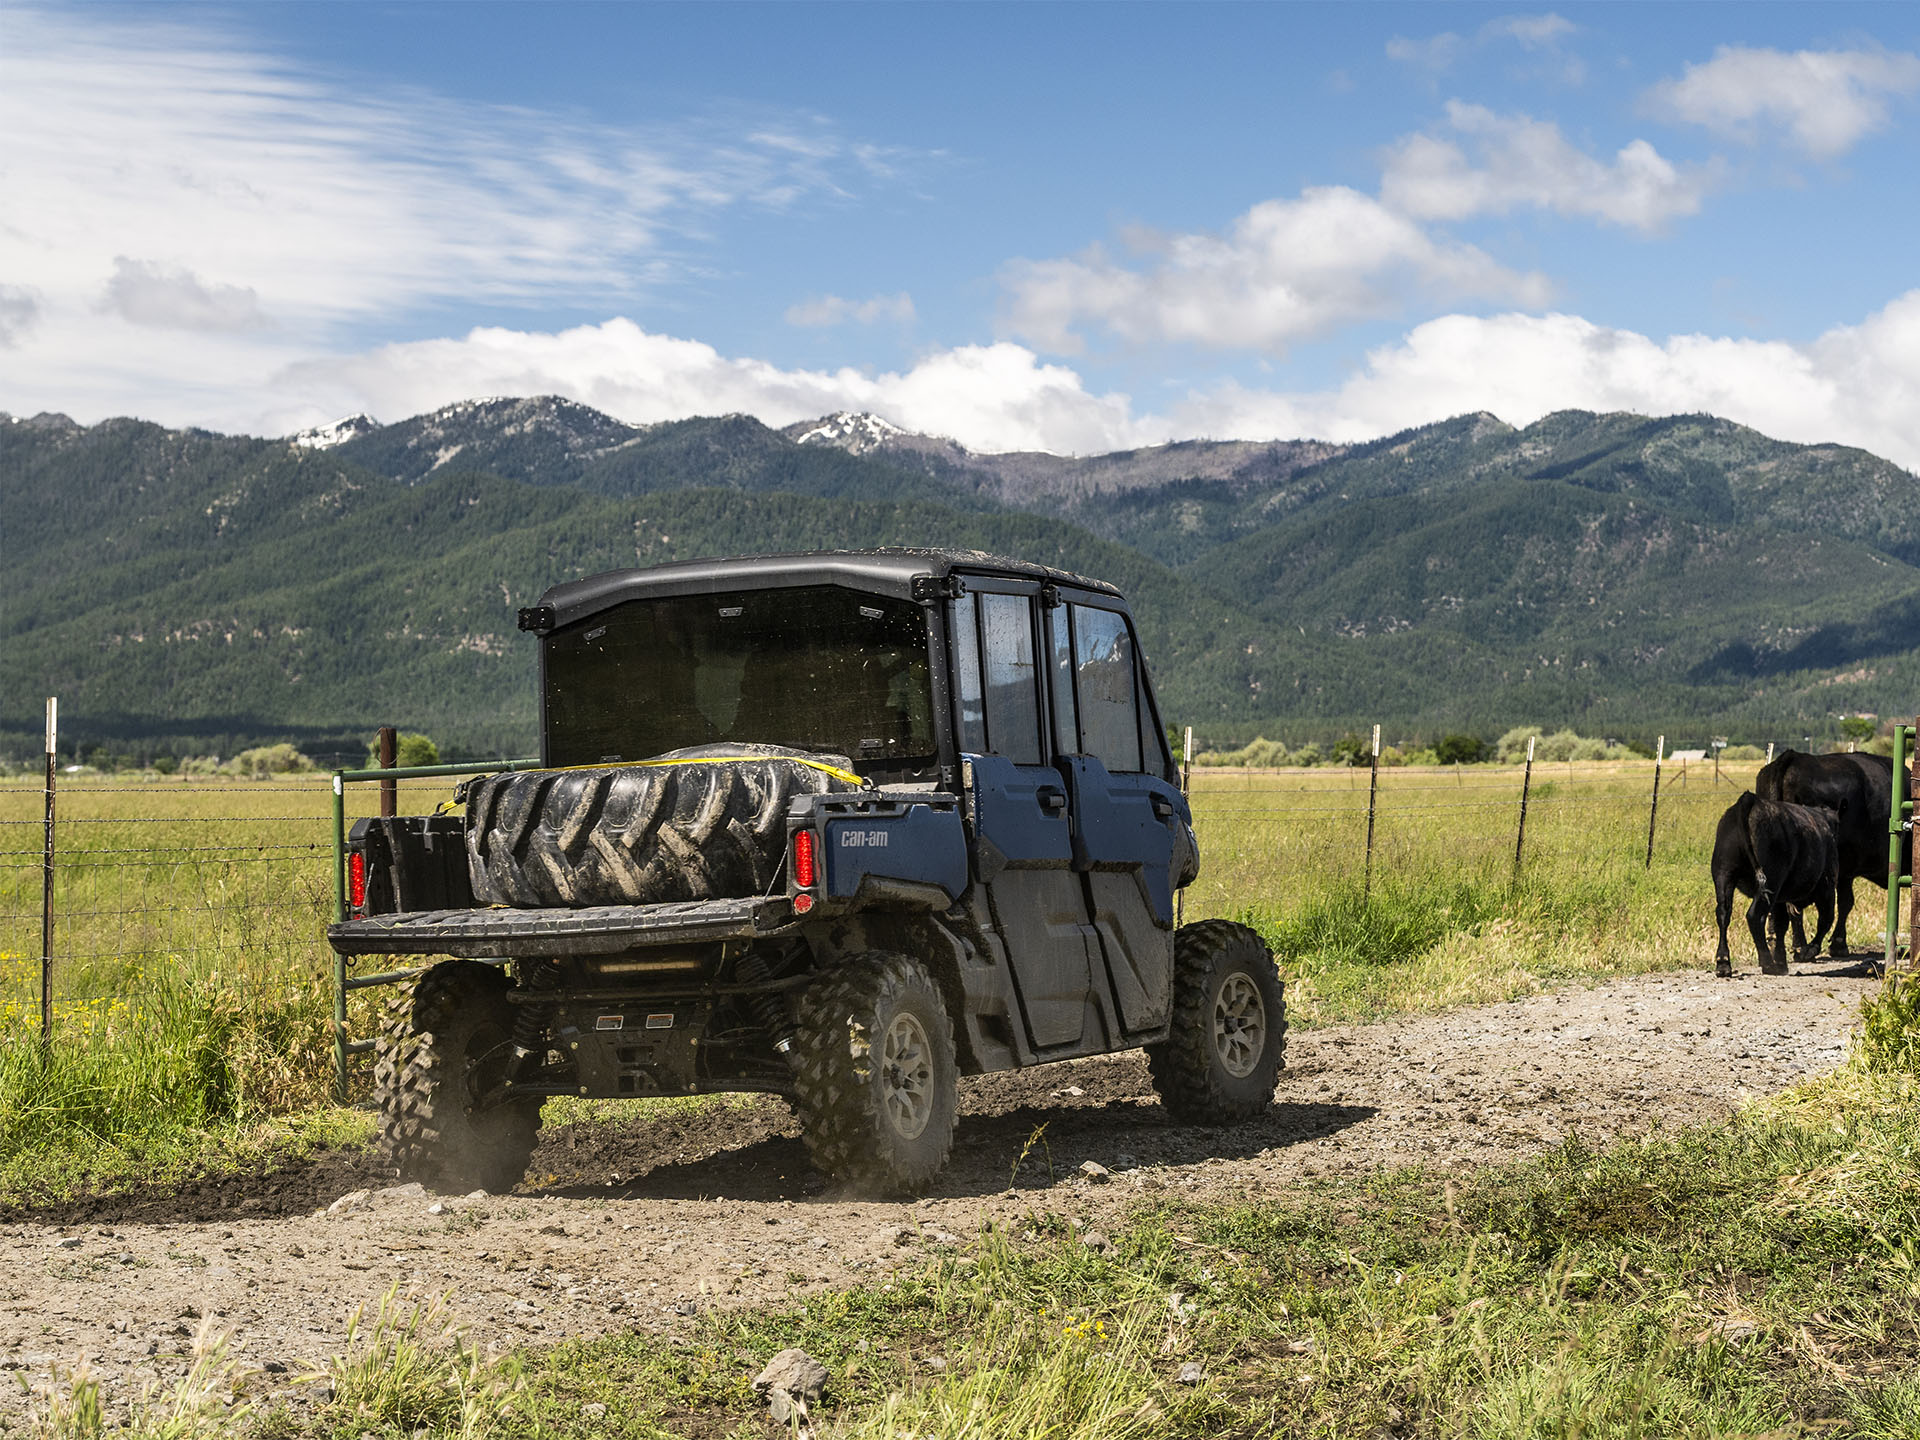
[1617, 573]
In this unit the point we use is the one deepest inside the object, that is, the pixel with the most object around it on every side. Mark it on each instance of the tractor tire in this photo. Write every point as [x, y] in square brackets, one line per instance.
[639, 834]
[1222, 1056]
[876, 1084]
[440, 1043]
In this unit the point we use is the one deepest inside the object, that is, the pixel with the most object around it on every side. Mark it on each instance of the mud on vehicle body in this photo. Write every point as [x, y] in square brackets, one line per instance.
[841, 827]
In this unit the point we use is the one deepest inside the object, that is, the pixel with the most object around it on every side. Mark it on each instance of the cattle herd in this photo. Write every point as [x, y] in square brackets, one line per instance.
[1810, 827]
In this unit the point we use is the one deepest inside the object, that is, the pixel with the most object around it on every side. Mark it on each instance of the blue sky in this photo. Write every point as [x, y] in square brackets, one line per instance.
[1070, 227]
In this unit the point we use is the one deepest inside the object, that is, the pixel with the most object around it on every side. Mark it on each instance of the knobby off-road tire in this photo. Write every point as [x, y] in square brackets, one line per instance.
[442, 1043]
[877, 1087]
[1222, 1056]
[638, 834]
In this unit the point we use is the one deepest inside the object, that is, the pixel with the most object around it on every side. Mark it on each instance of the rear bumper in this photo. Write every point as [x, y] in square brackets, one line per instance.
[597, 930]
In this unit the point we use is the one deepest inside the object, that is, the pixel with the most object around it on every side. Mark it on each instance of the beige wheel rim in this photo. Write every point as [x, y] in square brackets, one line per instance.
[906, 1077]
[1239, 1025]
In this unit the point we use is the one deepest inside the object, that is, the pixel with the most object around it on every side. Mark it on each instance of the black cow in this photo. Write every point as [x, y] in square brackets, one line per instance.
[1860, 788]
[1784, 856]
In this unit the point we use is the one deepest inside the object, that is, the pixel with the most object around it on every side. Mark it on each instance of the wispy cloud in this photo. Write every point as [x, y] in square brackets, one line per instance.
[1824, 101]
[1539, 34]
[1522, 163]
[1284, 271]
[160, 172]
[823, 311]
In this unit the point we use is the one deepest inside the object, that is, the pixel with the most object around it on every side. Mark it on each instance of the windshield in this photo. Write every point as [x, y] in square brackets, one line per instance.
[818, 668]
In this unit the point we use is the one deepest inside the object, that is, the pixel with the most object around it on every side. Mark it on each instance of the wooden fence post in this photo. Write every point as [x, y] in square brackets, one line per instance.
[1526, 788]
[1373, 795]
[389, 790]
[1653, 811]
[46, 884]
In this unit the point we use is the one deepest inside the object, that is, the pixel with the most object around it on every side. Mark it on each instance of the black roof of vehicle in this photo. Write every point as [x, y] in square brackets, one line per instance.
[888, 571]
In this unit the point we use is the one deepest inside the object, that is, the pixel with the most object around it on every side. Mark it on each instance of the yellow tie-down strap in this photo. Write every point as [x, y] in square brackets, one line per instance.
[820, 765]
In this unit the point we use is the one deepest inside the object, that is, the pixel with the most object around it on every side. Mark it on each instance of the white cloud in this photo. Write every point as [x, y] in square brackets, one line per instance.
[143, 293]
[1856, 384]
[1284, 271]
[1826, 101]
[1531, 32]
[822, 311]
[19, 310]
[1520, 162]
[194, 183]
[1436, 52]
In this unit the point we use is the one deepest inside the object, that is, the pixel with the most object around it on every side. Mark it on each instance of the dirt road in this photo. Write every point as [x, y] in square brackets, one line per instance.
[636, 1225]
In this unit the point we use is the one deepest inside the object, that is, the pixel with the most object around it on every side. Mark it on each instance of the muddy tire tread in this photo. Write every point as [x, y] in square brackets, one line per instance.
[422, 1136]
[840, 1119]
[1184, 1075]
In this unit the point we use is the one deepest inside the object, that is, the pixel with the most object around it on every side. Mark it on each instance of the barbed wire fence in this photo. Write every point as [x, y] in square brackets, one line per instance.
[103, 877]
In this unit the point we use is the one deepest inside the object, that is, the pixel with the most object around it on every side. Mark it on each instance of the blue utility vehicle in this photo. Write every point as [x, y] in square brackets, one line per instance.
[841, 826]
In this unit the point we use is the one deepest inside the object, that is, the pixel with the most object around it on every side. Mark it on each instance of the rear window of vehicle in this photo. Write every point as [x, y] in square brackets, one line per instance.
[818, 668]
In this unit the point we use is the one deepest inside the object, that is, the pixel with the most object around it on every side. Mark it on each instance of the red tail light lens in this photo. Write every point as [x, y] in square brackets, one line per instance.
[357, 880]
[803, 875]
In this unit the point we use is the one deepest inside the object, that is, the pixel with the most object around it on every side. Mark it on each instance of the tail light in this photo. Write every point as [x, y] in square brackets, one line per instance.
[357, 880]
[803, 871]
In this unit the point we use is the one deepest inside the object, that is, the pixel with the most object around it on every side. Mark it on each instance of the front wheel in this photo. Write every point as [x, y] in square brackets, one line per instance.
[1222, 1055]
[877, 1087]
[445, 1043]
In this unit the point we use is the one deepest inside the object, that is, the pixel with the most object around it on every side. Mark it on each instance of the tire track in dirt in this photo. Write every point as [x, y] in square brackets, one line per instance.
[636, 1224]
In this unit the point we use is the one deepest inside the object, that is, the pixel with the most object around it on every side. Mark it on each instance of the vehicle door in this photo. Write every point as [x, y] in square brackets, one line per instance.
[1129, 820]
[1023, 829]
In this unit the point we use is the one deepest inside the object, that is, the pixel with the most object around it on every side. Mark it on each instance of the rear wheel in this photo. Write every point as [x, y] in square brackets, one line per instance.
[444, 1045]
[1222, 1057]
[877, 1087]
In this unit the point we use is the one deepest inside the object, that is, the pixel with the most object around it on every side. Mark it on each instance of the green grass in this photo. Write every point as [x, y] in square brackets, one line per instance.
[1758, 1278]
[193, 982]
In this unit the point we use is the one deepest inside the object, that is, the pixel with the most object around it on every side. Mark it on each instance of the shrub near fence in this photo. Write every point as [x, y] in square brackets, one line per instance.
[193, 983]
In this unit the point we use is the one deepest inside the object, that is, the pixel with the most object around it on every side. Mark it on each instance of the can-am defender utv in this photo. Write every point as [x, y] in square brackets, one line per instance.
[838, 826]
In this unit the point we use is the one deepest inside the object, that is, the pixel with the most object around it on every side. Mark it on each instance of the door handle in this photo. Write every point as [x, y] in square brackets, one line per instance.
[1162, 807]
[1052, 801]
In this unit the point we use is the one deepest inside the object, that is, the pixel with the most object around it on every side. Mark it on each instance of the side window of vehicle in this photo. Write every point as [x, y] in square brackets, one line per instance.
[1013, 695]
[1066, 721]
[966, 676]
[1104, 669]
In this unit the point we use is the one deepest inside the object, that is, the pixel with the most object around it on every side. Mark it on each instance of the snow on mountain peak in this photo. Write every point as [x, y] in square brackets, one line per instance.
[856, 434]
[325, 437]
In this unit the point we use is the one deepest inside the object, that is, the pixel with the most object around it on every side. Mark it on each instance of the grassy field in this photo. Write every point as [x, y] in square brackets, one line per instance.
[193, 983]
[1759, 1280]
[1756, 1279]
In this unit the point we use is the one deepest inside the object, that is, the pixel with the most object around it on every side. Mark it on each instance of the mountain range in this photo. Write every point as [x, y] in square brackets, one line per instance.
[190, 592]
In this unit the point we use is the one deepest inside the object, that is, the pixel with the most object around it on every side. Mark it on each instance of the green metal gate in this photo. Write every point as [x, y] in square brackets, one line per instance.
[1899, 827]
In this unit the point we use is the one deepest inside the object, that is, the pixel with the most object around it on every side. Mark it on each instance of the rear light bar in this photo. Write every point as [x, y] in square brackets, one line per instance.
[803, 871]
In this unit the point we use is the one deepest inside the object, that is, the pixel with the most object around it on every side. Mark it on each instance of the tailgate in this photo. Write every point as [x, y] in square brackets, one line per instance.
[595, 930]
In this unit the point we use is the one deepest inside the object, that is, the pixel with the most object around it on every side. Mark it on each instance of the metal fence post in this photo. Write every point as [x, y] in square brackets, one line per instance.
[1913, 893]
[1186, 773]
[389, 790]
[1653, 811]
[1373, 795]
[46, 885]
[339, 960]
[1899, 826]
[1526, 788]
